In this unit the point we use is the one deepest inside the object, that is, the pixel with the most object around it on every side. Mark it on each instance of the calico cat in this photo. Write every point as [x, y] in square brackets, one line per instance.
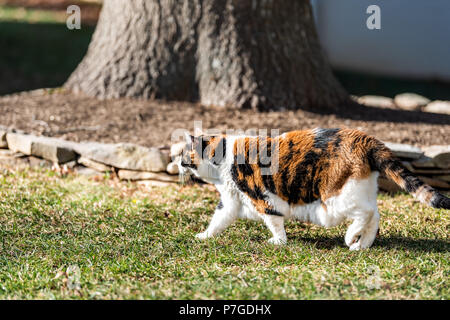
[323, 176]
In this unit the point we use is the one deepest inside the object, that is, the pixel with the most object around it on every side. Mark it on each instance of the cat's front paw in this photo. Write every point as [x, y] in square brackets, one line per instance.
[355, 246]
[277, 241]
[203, 235]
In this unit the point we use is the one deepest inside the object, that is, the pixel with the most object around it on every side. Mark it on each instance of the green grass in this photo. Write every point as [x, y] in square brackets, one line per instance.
[77, 238]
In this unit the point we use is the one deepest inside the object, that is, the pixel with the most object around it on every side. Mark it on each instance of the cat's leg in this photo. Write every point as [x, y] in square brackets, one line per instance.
[225, 214]
[353, 234]
[370, 231]
[364, 213]
[363, 230]
[275, 224]
[273, 219]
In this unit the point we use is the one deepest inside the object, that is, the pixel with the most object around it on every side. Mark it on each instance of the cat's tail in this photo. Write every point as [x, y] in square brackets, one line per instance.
[382, 159]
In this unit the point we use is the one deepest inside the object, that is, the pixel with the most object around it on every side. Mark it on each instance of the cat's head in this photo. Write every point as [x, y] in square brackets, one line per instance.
[202, 155]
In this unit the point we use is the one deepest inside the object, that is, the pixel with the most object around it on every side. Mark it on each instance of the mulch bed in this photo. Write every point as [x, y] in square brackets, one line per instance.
[150, 123]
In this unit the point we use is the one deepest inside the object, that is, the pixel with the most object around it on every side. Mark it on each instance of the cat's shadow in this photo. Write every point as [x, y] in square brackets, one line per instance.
[387, 242]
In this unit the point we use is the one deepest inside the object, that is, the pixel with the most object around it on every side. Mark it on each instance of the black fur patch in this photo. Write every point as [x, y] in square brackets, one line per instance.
[440, 201]
[284, 161]
[412, 183]
[337, 142]
[266, 151]
[246, 169]
[199, 145]
[268, 182]
[186, 162]
[219, 152]
[304, 178]
[323, 137]
[308, 172]
[243, 185]
[273, 212]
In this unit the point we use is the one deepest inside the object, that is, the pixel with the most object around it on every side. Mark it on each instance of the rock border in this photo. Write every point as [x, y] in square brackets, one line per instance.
[137, 163]
[405, 101]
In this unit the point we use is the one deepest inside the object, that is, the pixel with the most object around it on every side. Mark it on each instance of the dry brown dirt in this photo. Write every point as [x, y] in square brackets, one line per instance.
[151, 123]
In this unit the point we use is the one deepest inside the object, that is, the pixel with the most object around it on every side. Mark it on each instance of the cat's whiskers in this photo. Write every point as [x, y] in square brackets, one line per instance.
[185, 176]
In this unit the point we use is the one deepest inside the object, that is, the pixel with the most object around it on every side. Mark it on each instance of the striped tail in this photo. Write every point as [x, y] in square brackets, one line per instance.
[381, 159]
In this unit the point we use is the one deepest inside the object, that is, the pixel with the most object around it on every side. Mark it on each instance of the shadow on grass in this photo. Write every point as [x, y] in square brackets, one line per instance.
[39, 55]
[390, 242]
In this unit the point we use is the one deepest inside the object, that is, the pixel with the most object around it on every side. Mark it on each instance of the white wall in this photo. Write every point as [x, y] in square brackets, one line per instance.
[414, 40]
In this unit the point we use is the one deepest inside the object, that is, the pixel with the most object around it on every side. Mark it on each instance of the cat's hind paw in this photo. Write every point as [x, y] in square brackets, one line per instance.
[277, 241]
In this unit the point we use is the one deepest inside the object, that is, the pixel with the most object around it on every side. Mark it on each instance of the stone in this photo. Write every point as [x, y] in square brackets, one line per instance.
[3, 132]
[172, 168]
[11, 158]
[3, 142]
[19, 143]
[35, 162]
[85, 171]
[23, 161]
[445, 178]
[442, 160]
[408, 166]
[404, 150]
[432, 151]
[388, 185]
[429, 171]
[125, 156]
[146, 175]
[438, 106]
[176, 149]
[71, 164]
[48, 148]
[436, 183]
[411, 101]
[377, 101]
[94, 165]
[440, 155]
[424, 162]
[6, 153]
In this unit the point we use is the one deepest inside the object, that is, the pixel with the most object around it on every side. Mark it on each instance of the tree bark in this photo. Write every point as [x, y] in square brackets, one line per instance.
[260, 54]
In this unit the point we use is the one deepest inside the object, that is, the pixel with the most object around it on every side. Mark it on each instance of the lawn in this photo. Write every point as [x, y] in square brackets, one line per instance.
[78, 238]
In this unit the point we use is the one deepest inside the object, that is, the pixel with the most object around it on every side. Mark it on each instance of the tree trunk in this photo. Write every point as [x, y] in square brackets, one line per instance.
[260, 54]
